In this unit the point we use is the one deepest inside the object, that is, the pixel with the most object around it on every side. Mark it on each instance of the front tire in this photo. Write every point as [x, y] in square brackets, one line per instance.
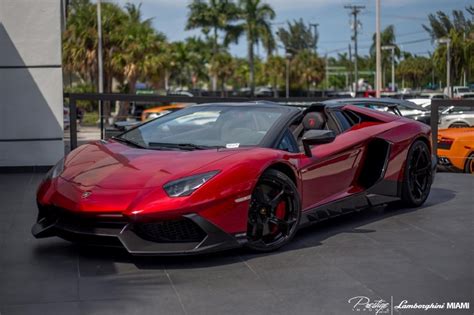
[418, 175]
[275, 212]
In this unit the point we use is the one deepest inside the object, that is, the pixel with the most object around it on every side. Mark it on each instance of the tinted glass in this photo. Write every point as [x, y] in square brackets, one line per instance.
[207, 126]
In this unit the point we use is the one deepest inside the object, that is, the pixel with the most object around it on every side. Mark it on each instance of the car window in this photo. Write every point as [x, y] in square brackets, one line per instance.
[287, 143]
[207, 126]
[343, 121]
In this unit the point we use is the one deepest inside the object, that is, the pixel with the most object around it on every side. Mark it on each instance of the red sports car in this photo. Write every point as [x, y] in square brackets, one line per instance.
[218, 176]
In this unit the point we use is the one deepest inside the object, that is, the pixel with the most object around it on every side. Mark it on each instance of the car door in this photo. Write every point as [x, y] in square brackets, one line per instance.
[330, 173]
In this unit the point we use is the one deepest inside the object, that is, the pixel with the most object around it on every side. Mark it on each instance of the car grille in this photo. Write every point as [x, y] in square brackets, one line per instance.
[100, 220]
[183, 230]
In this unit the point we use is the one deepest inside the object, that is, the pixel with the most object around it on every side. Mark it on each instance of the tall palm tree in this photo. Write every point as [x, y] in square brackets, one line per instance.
[256, 26]
[212, 17]
[138, 55]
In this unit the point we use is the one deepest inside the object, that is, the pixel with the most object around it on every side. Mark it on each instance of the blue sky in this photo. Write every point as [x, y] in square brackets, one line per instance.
[334, 21]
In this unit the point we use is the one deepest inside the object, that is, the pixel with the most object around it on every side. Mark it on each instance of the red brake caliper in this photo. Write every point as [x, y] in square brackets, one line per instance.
[280, 214]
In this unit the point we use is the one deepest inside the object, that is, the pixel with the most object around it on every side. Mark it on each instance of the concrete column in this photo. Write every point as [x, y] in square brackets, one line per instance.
[31, 88]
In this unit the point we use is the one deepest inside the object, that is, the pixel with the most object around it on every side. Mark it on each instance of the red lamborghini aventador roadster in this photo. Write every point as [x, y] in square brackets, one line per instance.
[217, 176]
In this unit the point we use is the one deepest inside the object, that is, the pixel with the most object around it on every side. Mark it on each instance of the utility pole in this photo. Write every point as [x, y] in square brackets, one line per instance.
[315, 25]
[100, 67]
[355, 10]
[378, 54]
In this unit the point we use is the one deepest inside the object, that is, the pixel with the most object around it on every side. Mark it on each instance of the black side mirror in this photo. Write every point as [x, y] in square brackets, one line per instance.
[312, 137]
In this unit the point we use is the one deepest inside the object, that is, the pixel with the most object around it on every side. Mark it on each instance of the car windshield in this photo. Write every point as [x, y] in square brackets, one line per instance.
[463, 90]
[204, 127]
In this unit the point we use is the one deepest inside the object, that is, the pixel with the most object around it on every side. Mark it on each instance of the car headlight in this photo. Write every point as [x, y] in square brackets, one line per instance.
[186, 186]
[56, 170]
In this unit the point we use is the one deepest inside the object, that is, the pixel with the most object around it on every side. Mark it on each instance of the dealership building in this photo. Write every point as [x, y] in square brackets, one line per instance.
[31, 85]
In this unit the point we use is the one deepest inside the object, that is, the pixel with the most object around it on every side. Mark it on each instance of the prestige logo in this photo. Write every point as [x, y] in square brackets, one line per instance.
[363, 303]
[380, 306]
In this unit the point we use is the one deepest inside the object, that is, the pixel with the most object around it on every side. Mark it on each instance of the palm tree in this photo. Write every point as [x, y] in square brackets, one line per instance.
[212, 17]
[274, 69]
[222, 66]
[138, 56]
[256, 17]
[461, 32]
[309, 69]
[297, 37]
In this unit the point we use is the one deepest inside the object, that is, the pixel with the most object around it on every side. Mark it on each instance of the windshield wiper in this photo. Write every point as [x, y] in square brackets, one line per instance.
[130, 142]
[182, 146]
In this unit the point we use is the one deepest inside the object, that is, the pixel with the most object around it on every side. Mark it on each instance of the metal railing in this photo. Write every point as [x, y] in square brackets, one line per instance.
[113, 97]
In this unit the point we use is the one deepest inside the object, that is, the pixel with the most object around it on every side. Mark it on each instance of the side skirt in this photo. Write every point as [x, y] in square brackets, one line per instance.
[342, 206]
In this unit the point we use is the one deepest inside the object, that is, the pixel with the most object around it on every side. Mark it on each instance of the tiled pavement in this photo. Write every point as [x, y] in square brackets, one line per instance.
[422, 255]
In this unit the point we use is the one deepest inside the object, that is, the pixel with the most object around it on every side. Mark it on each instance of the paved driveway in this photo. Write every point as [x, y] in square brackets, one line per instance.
[422, 255]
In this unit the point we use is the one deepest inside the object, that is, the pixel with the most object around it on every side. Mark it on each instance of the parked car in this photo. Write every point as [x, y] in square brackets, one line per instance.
[396, 106]
[432, 96]
[456, 117]
[212, 177]
[461, 92]
[456, 149]
[158, 111]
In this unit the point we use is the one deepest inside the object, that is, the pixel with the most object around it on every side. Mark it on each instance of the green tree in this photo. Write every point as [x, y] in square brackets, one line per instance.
[80, 40]
[308, 68]
[274, 69]
[212, 17]
[461, 32]
[297, 37]
[255, 19]
[416, 70]
[222, 66]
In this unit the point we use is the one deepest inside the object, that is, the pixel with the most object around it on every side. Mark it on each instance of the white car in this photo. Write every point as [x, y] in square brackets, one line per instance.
[456, 118]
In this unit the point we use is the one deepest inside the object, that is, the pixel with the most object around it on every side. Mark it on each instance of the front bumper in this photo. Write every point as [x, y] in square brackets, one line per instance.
[191, 234]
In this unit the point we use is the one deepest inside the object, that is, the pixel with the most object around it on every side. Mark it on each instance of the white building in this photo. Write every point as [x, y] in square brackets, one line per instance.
[31, 88]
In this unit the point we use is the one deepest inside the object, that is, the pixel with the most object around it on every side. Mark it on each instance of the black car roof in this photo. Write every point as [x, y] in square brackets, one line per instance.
[261, 104]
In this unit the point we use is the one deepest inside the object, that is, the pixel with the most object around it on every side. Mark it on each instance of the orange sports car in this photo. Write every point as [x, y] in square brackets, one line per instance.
[456, 148]
[159, 111]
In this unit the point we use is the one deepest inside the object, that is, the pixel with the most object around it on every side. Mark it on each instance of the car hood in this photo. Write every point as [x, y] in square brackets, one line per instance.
[112, 165]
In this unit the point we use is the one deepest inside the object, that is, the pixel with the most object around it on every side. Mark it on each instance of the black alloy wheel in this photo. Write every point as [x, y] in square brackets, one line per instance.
[274, 212]
[418, 175]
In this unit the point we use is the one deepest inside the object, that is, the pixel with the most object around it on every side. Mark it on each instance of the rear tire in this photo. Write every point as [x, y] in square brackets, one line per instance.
[274, 213]
[469, 165]
[417, 175]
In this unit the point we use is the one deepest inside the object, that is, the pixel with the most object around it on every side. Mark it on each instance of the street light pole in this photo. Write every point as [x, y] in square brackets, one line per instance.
[288, 56]
[447, 41]
[100, 66]
[315, 25]
[378, 59]
[392, 48]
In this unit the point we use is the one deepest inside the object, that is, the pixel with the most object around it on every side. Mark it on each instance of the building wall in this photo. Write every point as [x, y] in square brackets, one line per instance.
[31, 95]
